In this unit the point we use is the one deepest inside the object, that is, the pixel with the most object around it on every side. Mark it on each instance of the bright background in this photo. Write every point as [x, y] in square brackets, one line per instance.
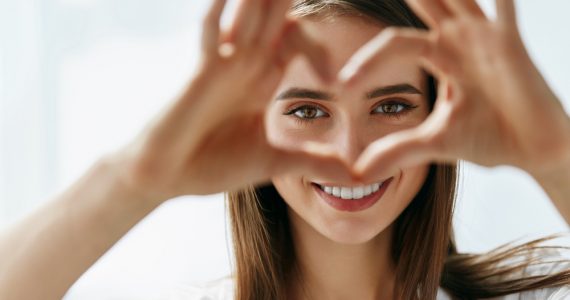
[79, 78]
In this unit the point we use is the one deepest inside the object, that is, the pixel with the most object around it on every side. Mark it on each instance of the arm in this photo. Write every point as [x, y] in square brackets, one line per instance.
[556, 183]
[45, 253]
[186, 150]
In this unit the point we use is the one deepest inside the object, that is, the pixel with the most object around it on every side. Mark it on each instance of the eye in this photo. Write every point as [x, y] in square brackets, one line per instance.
[393, 108]
[307, 112]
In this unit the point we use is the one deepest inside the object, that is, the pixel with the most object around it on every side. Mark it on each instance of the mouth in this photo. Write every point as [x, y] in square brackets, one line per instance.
[351, 199]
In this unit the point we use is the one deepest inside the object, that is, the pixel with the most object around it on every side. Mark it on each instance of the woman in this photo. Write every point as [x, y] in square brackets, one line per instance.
[354, 176]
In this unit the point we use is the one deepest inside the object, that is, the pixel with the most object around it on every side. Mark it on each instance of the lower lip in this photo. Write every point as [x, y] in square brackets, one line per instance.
[353, 205]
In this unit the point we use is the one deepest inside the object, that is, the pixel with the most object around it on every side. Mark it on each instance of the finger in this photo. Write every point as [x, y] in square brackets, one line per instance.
[425, 143]
[433, 12]
[400, 150]
[275, 19]
[247, 23]
[296, 41]
[312, 160]
[464, 8]
[211, 27]
[403, 43]
[506, 12]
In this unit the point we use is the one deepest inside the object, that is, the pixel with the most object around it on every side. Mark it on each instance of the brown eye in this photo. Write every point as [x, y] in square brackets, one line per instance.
[307, 112]
[393, 108]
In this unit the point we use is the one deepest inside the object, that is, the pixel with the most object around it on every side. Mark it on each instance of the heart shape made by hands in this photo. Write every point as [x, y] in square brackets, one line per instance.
[483, 112]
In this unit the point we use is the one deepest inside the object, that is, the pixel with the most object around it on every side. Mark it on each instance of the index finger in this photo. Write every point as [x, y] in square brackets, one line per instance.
[276, 16]
[211, 30]
[506, 12]
[405, 43]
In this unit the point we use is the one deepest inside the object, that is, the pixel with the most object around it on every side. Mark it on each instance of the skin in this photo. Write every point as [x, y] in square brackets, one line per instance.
[488, 113]
[345, 255]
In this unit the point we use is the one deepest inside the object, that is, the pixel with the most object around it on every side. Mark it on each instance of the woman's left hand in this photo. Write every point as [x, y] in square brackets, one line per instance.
[493, 107]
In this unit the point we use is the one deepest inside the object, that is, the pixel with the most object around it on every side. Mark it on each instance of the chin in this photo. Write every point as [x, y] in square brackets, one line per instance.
[352, 232]
[315, 218]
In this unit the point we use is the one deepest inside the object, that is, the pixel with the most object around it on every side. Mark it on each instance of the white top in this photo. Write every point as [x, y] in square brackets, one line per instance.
[223, 289]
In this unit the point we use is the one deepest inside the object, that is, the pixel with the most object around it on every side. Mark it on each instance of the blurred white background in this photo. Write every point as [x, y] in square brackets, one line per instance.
[79, 78]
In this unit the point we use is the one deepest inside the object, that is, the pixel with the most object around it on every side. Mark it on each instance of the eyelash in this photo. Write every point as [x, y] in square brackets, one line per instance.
[404, 110]
[301, 120]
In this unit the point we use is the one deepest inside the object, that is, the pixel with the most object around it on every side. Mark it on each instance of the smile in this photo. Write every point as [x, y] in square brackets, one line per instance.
[351, 193]
[351, 198]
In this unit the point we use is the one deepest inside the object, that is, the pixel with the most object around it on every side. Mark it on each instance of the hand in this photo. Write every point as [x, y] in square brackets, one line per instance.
[212, 138]
[493, 105]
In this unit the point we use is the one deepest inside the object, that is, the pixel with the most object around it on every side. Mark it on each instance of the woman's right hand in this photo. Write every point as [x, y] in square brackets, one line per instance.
[212, 138]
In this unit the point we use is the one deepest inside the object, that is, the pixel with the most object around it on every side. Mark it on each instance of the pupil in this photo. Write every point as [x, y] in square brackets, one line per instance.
[390, 108]
[309, 112]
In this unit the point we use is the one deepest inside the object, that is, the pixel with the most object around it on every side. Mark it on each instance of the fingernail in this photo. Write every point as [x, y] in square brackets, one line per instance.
[346, 73]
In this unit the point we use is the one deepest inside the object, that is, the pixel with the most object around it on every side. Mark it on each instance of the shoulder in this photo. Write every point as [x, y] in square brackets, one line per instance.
[546, 261]
[221, 289]
[552, 261]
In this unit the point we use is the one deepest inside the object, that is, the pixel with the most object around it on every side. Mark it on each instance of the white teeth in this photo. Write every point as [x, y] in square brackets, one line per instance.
[375, 187]
[367, 190]
[346, 193]
[358, 192]
[351, 192]
[336, 191]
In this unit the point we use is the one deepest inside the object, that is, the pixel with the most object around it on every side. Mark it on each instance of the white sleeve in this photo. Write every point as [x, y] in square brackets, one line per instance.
[549, 267]
[221, 289]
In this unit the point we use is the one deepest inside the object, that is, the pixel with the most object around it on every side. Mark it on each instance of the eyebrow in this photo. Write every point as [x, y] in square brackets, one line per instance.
[295, 92]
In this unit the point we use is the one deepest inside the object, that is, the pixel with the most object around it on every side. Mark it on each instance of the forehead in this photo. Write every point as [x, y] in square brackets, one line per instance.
[342, 36]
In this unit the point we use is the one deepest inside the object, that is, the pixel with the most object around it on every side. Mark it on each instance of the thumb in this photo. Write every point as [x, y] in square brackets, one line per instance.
[400, 150]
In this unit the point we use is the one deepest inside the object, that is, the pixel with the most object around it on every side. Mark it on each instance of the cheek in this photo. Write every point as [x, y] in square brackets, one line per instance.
[291, 189]
[409, 184]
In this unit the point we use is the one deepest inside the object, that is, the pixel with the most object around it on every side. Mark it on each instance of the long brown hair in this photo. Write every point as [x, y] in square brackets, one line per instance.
[423, 246]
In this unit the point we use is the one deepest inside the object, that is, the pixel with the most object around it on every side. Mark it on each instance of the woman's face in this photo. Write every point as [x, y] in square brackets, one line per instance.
[305, 110]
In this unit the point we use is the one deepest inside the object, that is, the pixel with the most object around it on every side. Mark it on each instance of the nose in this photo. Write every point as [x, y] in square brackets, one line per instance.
[350, 141]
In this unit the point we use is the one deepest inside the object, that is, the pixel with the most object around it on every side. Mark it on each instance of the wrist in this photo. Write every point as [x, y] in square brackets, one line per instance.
[557, 171]
[553, 164]
[115, 167]
[558, 178]
[555, 180]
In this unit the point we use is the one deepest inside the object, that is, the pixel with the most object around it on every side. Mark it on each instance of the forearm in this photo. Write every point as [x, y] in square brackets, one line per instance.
[44, 254]
[556, 184]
